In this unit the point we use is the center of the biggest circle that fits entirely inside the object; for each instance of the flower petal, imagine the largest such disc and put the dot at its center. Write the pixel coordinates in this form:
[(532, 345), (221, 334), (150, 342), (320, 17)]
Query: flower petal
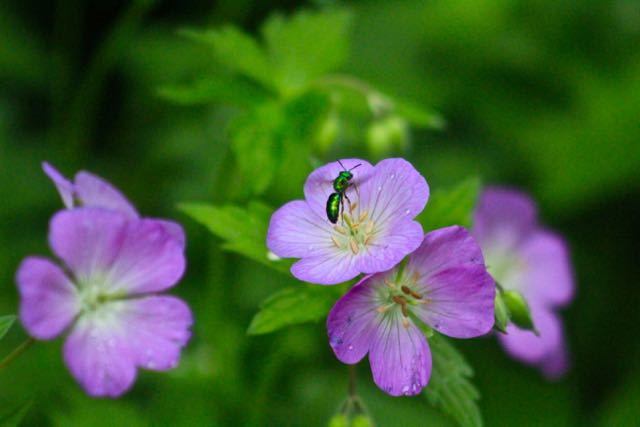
[(157, 329), (63, 185), (319, 184), (547, 274), (328, 268), (87, 240), (444, 248), (149, 258), (395, 191), (94, 191), (400, 357), (135, 256), (503, 218), (48, 299), (389, 247), (99, 358), (528, 347), (459, 301), (296, 231), (351, 323)]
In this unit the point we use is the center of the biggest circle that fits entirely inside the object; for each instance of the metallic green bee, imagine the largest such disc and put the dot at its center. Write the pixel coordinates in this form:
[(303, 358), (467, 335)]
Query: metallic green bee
[(335, 202)]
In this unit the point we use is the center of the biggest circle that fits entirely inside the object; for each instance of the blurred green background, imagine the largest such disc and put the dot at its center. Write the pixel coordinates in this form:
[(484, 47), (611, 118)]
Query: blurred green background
[(543, 95)]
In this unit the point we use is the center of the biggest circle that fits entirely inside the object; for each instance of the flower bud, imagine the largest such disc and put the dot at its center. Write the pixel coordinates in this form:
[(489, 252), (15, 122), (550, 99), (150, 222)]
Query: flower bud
[(501, 314), (387, 135), (519, 309)]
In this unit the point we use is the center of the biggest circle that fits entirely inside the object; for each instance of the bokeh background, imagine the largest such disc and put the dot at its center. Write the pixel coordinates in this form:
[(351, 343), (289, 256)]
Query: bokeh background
[(543, 95)]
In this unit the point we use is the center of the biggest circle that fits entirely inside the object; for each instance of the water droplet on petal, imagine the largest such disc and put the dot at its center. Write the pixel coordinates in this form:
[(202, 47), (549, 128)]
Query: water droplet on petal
[(380, 188), (407, 212), (151, 364), (393, 175), (350, 347), (310, 247), (405, 390)]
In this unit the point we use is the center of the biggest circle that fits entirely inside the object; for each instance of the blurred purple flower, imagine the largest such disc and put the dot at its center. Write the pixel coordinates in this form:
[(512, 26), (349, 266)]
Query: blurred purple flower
[(523, 256), (444, 284), (376, 231), (106, 292), (89, 190)]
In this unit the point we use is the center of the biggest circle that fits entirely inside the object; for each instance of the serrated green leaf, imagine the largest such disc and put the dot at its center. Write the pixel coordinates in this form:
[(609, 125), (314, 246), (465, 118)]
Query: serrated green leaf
[(244, 230), (306, 45), (450, 388), (291, 306), (14, 418), (236, 50), (232, 91), (452, 206), (5, 324)]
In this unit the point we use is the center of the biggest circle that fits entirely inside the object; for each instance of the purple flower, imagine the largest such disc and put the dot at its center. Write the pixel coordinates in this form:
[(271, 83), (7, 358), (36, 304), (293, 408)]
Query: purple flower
[(375, 231), (105, 293), (444, 284), (89, 190), (523, 256)]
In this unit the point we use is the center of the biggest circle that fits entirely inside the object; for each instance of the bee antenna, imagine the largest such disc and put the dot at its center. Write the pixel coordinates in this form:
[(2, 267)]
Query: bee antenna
[(359, 164), (343, 168)]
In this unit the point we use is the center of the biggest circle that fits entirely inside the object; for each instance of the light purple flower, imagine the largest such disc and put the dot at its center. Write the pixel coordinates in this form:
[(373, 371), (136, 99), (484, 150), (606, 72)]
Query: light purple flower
[(376, 231), (444, 284), (89, 190), (523, 256), (105, 293)]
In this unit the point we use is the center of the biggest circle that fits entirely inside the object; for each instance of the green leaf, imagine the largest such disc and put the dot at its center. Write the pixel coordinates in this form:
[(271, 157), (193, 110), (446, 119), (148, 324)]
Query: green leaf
[(452, 206), (306, 46), (5, 324), (244, 230), (237, 51), (291, 306), (449, 387), (231, 91), (418, 116), (271, 142), (14, 418)]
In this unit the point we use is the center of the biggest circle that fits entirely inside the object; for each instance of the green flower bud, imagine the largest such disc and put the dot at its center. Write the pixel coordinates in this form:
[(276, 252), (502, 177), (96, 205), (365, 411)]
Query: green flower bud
[(327, 133), (501, 313), (519, 309), (387, 135)]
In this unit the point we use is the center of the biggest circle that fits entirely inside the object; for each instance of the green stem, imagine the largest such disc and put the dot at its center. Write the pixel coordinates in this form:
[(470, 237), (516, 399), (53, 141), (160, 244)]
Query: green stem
[(352, 381), (16, 353)]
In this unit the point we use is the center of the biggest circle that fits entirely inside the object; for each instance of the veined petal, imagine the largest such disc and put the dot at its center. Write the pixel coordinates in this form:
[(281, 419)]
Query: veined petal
[(388, 247), (149, 259), (503, 218), (395, 191), (547, 272), (48, 299), (88, 240), (400, 357), (157, 327), (99, 357), (528, 347), (319, 184), (329, 268), (458, 301), (444, 248), (94, 191), (296, 231), (351, 323), (63, 185)]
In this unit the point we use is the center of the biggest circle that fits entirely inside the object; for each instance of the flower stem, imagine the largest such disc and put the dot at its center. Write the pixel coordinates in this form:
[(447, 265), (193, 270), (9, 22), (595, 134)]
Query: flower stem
[(352, 381), (16, 353)]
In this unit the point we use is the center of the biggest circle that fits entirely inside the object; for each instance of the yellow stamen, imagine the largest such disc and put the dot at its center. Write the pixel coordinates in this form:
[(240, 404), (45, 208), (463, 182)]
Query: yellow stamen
[(340, 229), (336, 242), (352, 207), (369, 227), (364, 215), (405, 322), (354, 246)]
